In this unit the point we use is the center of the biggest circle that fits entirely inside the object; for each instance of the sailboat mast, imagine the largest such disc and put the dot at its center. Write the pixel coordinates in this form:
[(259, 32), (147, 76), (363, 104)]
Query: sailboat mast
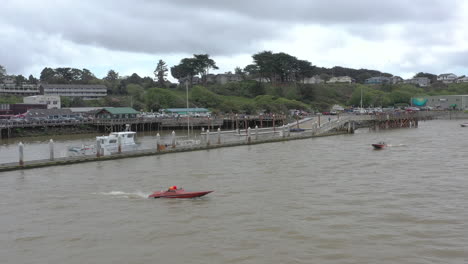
[(188, 116), (361, 97)]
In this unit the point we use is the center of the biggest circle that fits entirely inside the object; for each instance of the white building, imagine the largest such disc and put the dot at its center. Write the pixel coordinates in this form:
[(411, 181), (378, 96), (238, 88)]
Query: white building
[(85, 91), (9, 87), (341, 79), (447, 77), (52, 101)]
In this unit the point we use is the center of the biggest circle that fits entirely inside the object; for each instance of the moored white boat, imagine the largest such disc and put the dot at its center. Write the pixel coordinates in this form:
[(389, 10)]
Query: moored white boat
[(464, 125), (110, 144)]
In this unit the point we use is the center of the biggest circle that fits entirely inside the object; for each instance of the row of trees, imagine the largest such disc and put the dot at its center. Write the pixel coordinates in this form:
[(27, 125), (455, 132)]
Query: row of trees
[(67, 76), (279, 67)]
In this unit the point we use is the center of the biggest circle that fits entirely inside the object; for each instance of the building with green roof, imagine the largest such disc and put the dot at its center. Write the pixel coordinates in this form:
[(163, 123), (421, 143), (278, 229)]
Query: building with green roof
[(186, 111), (117, 113)]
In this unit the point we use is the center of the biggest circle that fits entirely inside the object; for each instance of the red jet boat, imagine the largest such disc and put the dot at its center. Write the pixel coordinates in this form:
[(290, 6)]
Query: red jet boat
[(379, 145), (179, 193)]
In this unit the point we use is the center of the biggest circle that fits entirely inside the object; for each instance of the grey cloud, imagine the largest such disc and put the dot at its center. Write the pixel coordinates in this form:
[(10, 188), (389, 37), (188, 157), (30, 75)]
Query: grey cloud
[(332, 11), (39, 31), (216, 27)]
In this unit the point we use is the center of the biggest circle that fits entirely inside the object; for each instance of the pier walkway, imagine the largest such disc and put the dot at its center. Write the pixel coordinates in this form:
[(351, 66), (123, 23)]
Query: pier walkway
[(301, 129)]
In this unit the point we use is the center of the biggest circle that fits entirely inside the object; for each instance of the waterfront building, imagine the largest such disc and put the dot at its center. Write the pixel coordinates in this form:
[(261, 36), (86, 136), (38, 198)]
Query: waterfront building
[(116, 113), (443, 102), (187, 111), (52, 101), (85, 91), (16, 109), (50, 114)]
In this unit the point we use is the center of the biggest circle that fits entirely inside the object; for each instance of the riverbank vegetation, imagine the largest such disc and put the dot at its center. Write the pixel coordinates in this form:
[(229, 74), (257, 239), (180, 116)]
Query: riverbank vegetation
[(241, 97)]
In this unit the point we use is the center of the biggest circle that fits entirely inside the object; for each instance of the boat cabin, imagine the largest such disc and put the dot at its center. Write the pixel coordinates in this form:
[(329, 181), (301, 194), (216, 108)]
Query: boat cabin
[(126, 138)]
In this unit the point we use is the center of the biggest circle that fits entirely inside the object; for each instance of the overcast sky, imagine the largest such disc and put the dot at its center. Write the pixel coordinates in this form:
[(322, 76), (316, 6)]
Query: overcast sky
[(397, 36)]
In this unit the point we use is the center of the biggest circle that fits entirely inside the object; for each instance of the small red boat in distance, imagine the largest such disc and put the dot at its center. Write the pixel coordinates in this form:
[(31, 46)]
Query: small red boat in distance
[(379, 145), (178, 193)]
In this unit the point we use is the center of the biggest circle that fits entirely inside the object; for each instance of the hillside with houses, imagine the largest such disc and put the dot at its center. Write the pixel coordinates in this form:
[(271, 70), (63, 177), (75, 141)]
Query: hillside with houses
[(274, 82)]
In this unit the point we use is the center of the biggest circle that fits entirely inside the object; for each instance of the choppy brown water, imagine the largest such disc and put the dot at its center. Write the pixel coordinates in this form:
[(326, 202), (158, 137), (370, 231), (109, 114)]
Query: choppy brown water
[(322, 200)]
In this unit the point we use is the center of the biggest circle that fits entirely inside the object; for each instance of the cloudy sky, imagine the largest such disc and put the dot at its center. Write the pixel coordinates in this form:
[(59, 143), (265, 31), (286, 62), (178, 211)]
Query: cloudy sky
[(397, 36)]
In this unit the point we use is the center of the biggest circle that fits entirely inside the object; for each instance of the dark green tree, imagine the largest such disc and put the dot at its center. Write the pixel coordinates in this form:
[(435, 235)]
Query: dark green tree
[(160, 73), (112, 76), (203, 64), (48, 75), (87, 76), (32, 80), (186, 69)]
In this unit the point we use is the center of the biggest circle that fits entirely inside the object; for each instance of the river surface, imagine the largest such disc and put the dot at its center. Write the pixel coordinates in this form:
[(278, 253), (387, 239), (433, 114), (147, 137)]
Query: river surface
[(321, 200)]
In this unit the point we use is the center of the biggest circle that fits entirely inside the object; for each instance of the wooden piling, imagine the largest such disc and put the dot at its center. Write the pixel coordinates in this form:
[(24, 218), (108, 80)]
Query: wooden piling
[(21, 154), (51, 149)]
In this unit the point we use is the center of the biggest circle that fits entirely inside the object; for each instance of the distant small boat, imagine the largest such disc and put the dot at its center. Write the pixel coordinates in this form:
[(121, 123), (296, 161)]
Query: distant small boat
[(179, 193), (379, 145), (464, 125), (296, 130)]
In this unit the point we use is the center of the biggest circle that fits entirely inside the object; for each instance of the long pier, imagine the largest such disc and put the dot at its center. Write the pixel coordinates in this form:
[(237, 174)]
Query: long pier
[(308, 128)]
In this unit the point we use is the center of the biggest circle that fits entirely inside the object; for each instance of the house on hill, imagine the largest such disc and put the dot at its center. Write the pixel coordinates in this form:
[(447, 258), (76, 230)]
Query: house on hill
[(419, 81), (378, 80), (341, 79), (447, 77)]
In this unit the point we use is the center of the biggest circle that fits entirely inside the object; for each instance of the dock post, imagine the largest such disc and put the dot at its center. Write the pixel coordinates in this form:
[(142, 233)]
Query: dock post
[(219, 135), (283, 131), (207, 137), (21, 156), (289, 130), (173, 139), (98, 148), (256, 132), (51, 149), (248, 135), (119, 141), (274, 123), (158, 142)]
